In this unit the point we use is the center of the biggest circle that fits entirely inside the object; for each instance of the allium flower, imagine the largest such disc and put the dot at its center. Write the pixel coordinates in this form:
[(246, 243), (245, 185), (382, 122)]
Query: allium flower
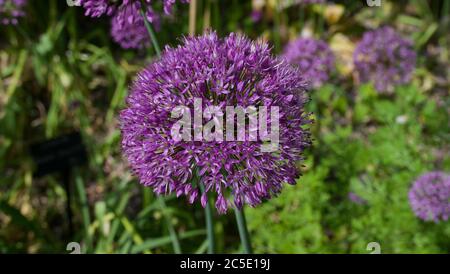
[(314, 59), (429, 196), (233, 71), (97, 8), (127, 25), (384, 58), (11, 10)]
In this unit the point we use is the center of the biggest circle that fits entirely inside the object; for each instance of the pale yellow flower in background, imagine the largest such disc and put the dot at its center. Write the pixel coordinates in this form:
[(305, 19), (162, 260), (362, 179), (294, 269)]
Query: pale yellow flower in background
[(333, 13), (343, 48)]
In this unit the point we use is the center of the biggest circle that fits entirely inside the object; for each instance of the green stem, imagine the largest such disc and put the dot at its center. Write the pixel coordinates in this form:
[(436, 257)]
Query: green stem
[(243, 232), (84, 208), (301, 18), (209, 224), (151, 32)]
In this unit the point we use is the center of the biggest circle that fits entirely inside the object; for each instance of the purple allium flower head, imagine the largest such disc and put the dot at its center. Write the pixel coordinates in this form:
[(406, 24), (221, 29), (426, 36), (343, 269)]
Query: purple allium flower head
[(11, 10), (314, 59), (127, 25), (429, 196), (97, 8), (384, 58), (233, 71)]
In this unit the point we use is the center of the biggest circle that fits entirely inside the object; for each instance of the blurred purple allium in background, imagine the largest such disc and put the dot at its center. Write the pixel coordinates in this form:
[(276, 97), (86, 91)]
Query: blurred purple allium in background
[(233, 71), (429, 196), (257, 16), (384, 58), (314, 59), (355, 198), (97, 8), (11, 10), (127, 25)]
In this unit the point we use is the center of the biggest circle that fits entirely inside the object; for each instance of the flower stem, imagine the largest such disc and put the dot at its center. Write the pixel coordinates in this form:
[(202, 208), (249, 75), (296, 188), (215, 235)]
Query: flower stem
[(209, 224), (150, 32), (192, 16), (243, 232)]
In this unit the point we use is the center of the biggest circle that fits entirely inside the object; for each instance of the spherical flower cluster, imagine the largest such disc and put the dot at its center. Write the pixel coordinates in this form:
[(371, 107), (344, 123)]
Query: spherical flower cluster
[(314, 59), (233, 71), (429, 196), (384, 58), (127, 25), (11, 10)]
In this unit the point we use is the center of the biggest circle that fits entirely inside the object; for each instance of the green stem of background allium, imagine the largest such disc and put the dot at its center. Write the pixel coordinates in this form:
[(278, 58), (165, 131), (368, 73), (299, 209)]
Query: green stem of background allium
[(243, 232), (192, 17), (209, 224), (151, 32), (166, 214)]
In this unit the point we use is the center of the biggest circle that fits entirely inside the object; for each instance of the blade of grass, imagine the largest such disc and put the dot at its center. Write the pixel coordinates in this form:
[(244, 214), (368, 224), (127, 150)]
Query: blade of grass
[(154, 243), (23, 54), (84, 208), (168, 218)]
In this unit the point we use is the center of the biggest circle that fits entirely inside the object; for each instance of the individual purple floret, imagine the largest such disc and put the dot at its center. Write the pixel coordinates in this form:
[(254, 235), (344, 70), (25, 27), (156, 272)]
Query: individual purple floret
[(314, 59), (233, 71), (11, 10), (429, 196), (127, 25), (385, 59)]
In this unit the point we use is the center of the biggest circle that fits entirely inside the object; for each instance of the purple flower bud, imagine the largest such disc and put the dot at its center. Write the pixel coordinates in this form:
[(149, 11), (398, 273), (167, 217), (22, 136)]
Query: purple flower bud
[(204, 199), (221, 205)]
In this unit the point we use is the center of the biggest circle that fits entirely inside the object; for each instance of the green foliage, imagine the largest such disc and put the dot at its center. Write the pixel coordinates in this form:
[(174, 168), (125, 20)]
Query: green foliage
[(376, 157)]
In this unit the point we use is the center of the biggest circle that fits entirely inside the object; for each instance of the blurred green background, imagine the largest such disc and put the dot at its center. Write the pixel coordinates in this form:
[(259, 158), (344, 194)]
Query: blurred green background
[(60, 71)]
